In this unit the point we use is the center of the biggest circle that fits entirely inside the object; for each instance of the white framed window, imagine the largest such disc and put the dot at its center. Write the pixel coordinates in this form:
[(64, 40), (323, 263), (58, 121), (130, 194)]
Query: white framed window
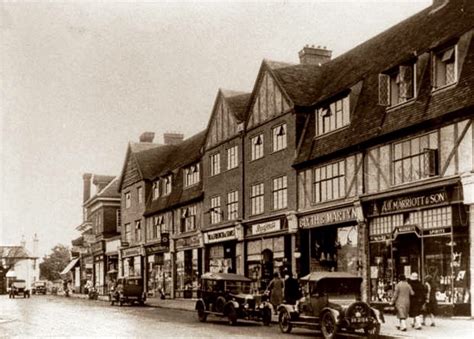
[(329, 182), (257, 199), (158, 221), (128, 233), (445, 67), (216, 212), (257, 147), (188, 218), (233, 205), (215, 163), (397, 85), (138, 231), (333, 116), (167, 184), (280, 191), (232, 157), (140, 194), (156, 189), (128, 200), (279, 138), (191, 175)]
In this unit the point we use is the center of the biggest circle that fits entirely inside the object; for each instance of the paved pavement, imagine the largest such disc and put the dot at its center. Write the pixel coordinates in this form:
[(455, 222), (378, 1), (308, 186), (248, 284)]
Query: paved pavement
[(445, 327)]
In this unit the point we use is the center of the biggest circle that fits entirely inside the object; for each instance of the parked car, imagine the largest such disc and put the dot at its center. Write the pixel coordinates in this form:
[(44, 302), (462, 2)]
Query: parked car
[(331, 303), (128, 290), (18, 287), (39, 287), (228, 295)]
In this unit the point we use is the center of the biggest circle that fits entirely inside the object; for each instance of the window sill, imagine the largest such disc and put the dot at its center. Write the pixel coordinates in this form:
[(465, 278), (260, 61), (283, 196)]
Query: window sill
[(408, 183), (279, 209), (256, 159), (280, 150), (444, 88), (402, 104), (191, 186), (332, 132)]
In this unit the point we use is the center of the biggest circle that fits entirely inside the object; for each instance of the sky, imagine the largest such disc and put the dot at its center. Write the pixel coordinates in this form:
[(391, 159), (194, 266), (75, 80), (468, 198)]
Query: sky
[(79, 80)]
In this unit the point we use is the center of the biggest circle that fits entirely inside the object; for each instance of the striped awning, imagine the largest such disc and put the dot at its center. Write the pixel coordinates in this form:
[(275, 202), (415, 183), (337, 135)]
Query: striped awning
[(69, 266)]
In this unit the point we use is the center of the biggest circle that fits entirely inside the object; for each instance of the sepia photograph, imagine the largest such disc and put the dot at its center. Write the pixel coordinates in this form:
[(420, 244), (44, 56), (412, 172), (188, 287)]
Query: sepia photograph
[(241, 169)]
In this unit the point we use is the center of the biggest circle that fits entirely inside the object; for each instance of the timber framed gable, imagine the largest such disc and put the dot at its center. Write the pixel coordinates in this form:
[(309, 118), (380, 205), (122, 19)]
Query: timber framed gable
[(131, 172)]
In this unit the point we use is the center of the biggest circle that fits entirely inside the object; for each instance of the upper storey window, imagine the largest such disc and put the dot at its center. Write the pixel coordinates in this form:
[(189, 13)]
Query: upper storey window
[(128, 200), (232, 157), (279, 138), (156, 189), (332, 116), (444, 67), (397, 85), (215, 163), (191, 175), (257, 147), (167, 184)]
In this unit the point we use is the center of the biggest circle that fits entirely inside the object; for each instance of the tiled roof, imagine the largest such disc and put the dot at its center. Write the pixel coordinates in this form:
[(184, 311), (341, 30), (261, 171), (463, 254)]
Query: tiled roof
[(142, 146), (100, 179), (10, 253), (111, 190), (238, 103), (413, 36), (151, 160)]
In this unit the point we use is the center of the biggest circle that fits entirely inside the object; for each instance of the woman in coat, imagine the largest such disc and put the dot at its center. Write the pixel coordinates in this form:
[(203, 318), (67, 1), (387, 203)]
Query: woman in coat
[(401, 301), (431, 303), (275, 287), (417, 300)]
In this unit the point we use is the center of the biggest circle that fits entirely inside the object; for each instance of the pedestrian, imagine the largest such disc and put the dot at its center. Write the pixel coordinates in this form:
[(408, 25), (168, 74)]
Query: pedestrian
[(275, 288), (401, 301), (431, 303), (416, 300), (292, 289)]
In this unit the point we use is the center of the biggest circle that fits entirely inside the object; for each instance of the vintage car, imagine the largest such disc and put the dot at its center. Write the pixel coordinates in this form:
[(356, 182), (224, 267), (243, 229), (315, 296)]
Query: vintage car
[(228, 295), (128, 290), (331, 303), (18, 287), (39, 287)]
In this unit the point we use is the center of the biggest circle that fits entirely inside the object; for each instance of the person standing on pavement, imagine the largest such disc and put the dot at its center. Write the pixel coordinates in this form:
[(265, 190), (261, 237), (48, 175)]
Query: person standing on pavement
[(417, 300), (430, 302), (275, 288), (292, 289), (401, 301)]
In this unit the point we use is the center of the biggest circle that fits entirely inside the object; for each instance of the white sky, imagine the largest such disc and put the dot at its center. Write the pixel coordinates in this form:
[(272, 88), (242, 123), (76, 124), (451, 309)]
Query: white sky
[(80, 80)]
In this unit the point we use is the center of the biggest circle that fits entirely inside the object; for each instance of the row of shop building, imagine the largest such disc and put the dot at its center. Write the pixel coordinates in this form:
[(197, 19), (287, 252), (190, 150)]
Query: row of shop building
[(363, 163)]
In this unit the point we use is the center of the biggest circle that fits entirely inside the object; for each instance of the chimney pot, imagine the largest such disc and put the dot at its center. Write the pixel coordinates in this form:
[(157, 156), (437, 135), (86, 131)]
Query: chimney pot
[(314, 55), (147, 137), (172, 138)]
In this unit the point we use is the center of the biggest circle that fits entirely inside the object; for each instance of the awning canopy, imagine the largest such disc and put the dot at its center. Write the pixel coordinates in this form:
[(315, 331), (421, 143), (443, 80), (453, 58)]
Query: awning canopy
[(70, 266)]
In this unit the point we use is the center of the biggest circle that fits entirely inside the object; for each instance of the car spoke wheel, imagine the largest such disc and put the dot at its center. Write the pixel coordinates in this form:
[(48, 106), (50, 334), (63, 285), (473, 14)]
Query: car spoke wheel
[(231, 316), (328, 326), (284, 321), (266, 316), (202, 315)]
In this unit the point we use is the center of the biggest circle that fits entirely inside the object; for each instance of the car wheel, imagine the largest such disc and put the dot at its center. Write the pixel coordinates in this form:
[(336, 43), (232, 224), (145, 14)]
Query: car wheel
[(266, 316), (284, 320), (231, 315), (219, 305), (373, 331), (201, 312), (328, 325)]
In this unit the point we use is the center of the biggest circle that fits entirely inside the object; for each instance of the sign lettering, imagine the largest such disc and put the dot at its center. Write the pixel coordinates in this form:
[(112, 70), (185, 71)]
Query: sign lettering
[(266, 227), (220, 235), (408, 202), (187, 242), (131, 252), (328, 217)]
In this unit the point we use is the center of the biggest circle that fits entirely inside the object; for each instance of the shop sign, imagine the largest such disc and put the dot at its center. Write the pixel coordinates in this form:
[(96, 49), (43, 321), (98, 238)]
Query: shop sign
[(89, 238), (328, 217), (266, 227), (112, 246), (188, 242), (405, 229), (157, 248), (220, 235), (437, 231), (379, 237), (408, 202), (97, 247), (79, 249), (132, 252)]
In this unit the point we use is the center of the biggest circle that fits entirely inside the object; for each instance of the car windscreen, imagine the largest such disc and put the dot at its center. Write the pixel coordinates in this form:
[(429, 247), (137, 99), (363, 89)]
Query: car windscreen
[(342, 286), (236, 287)]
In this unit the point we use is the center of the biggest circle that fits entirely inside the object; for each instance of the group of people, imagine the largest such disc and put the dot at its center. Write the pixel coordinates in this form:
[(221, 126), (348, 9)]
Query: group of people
[(413, 299), (280, 290)]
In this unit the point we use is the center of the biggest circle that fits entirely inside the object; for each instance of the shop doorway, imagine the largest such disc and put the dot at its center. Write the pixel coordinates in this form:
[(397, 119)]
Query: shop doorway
[(267, 268), (406, 253)]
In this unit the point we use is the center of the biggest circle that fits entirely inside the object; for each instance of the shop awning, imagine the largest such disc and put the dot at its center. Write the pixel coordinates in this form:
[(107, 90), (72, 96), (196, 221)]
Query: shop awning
[(69, 266)]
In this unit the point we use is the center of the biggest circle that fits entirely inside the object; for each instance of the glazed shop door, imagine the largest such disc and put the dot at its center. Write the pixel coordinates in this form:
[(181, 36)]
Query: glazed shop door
[(406, 251)]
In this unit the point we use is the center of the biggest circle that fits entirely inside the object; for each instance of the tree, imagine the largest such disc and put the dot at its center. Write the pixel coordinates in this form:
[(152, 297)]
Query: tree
[(55, 262)]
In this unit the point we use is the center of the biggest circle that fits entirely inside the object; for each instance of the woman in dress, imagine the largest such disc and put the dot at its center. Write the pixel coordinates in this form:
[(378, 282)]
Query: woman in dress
[(431, 303), (401, 301), (275, 288)]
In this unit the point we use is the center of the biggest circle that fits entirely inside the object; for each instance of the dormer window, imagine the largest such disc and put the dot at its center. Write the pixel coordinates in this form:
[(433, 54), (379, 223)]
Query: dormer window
[(444, 67), (156, 189), (191, 175), (333, 116), (167, 184), (397, 85)]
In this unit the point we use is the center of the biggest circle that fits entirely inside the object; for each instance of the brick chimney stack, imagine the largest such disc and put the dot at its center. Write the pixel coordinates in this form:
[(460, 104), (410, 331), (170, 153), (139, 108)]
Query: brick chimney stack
[(172, 138), (311, 55), (86, 177), (147, 137)]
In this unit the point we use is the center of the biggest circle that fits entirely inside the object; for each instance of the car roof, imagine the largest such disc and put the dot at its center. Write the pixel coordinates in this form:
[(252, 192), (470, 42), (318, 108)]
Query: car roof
[(224, 276), (317, 276)]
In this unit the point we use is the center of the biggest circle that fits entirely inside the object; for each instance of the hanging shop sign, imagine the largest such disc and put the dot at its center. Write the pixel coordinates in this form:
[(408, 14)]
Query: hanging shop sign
[(97, 247), (220, 235), (405, 229), (266, 227), (157, 248), (408, 202), (328, 217), (132, 252), (437, 231), (192, 241)]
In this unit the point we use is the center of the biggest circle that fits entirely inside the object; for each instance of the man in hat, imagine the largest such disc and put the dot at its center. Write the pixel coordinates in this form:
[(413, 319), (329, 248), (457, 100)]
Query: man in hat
[(416, 300)]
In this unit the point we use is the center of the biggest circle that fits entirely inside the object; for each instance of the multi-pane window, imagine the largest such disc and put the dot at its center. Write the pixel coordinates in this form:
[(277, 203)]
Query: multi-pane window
[(279, 138), (232, 157), (138, 232), (215, 163), (329, 182), (128, 233), (157, 224), (128, 200), (191, 175), (415, 158), (140, 194), (119, 220), (167, 184), (233, 205), (156, 189), (257, 147), (280, 191), (256, 199), (444, 67), (332, 116), (398, 85), (188, 218), (216, 212)]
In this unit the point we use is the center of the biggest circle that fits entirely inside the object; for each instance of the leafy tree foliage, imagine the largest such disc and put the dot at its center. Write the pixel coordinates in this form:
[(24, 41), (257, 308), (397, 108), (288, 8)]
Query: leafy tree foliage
[(54, 262)]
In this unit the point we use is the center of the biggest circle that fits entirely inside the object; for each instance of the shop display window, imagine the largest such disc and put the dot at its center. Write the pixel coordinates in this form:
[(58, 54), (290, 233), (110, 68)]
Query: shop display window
[(437, 264), (381, 272)]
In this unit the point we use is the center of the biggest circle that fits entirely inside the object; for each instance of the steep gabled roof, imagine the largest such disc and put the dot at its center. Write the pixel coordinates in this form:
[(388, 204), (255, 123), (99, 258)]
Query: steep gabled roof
[(237, 102), (111, 190), (412, 37)]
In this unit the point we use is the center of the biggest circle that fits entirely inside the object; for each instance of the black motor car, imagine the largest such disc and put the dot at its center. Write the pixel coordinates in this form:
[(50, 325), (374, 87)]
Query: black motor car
[(18, 287), (228, 295), (128, 290), (39, 287), (331, 303)]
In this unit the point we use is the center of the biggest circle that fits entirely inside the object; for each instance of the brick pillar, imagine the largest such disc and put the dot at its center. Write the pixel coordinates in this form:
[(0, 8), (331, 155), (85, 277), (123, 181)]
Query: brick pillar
[(467, 180), (292, 220), (240, 249), (362, 250)]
